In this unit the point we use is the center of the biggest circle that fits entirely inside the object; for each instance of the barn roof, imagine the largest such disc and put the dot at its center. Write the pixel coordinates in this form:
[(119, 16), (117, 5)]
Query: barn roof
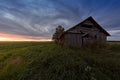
[(93, 21)]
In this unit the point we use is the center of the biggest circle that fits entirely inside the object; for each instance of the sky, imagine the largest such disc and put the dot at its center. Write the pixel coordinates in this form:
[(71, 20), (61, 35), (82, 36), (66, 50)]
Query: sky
[(36, 20)]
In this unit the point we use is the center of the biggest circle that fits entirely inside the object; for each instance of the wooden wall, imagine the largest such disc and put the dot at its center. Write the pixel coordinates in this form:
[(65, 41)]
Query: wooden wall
[(73, 40)]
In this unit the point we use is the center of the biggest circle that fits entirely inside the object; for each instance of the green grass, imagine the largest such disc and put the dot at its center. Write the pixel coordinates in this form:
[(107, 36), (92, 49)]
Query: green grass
[(47, 61)]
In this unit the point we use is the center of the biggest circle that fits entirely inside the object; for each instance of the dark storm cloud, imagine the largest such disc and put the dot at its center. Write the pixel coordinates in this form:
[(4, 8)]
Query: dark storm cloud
[(38, 18)]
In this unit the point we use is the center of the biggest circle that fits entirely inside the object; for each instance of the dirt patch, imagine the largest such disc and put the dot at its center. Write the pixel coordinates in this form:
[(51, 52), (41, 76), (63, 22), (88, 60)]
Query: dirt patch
[(16, 61)]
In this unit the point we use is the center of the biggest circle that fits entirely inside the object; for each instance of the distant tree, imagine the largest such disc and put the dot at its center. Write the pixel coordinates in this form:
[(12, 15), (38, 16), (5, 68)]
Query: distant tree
[(58, 32)]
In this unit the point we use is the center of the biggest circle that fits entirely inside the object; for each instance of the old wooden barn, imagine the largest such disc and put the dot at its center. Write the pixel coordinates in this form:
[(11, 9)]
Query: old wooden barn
[(84, 33)]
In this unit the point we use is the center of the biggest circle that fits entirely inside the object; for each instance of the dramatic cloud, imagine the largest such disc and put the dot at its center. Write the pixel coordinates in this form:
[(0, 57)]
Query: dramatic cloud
[(37, 19)]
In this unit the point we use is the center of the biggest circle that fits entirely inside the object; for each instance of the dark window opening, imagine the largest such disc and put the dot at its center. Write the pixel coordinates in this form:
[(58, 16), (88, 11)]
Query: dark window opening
[(87, 25), (95, 37), (87, 36)]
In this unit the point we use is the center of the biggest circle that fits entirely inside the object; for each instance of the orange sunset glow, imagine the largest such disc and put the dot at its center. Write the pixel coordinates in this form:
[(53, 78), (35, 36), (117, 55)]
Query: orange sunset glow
[(12, 37)]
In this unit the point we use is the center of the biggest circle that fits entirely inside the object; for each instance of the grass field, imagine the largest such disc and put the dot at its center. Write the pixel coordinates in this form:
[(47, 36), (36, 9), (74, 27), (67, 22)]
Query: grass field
[(47, 61)]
